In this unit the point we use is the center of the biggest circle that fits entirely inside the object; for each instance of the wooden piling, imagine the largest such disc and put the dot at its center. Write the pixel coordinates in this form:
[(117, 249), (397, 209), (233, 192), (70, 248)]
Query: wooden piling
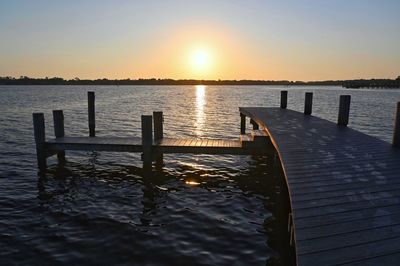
[(158, 120), (58, 120), (147, 140), (308, 103), (242, 124), (40, 138), (284, 95), (91, 113), (396, 133), (344, 110), (147, 129), (158, 125)]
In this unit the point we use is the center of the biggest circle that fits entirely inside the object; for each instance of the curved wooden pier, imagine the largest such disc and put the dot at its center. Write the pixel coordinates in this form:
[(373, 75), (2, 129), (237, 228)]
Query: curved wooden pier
[(344, 189)]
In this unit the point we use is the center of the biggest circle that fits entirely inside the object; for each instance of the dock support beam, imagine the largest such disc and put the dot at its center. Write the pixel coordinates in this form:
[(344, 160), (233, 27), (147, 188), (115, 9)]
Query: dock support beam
[(158, 125), (158, 135), (255, 125), (91, 112), (284, 95), (396, 133), (58, 120), (242, 124), (344, 110), (40, 138), (147, 140), (308, 103)]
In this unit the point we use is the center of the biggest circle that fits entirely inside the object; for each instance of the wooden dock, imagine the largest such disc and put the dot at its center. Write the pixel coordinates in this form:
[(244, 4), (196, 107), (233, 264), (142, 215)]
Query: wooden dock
[(344, 188), (152, 144)]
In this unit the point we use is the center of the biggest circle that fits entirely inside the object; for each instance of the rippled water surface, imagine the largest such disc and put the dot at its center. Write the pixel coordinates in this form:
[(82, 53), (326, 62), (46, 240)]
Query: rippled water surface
[(99, 208)]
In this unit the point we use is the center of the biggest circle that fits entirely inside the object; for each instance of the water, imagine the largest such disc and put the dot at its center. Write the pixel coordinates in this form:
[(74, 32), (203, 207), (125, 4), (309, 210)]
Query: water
[(199, 210)]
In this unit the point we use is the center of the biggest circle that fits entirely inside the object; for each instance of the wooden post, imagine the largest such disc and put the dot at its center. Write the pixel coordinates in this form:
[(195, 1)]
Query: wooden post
[(344, 110), (242, 124), (91, 112), (40, 139), (308, 103), (147, 141), (158, 135), (254, 123), (147, 130), (158, 125), (284, 99), (396, 133), (58, 119)]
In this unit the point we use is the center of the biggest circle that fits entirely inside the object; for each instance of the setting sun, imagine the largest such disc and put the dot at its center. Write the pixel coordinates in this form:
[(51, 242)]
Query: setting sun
[(200, 58), (201, 61)]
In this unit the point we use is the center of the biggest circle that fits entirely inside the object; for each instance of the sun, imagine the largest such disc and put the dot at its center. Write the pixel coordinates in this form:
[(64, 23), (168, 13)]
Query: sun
[(200, 60)]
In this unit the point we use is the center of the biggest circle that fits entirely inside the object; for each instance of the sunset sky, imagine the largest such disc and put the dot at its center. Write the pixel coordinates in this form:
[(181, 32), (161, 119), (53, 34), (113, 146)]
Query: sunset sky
[(294, 40)]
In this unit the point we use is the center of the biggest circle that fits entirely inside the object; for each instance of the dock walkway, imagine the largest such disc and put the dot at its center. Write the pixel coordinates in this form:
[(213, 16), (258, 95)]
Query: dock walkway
[(344, 189), (164, 145)]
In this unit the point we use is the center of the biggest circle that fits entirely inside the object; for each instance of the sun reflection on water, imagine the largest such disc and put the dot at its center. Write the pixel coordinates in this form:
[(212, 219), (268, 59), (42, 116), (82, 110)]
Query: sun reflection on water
[(192, 183), (200, 115)]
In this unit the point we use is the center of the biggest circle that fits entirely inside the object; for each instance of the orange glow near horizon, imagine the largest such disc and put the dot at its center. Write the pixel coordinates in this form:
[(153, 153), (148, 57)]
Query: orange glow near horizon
[(194, 52)]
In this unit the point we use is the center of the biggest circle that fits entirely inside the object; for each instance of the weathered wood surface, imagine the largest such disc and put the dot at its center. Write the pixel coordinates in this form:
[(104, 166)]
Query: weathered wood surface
[(165, 145), (344, 189), (128, 144)]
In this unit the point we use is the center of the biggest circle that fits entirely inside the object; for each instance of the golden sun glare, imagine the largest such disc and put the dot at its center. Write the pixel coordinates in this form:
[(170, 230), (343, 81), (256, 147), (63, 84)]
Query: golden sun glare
[(201, 61)]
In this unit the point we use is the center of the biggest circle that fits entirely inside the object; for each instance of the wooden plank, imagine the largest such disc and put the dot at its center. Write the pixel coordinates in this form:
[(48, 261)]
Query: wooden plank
[(198, 142), (350, 254), (180, 142), (203, 142), (346, 207), (347, 227), (345, 192), (187, 142), (348, 239), (392, 258), (192, 143), (338, 201), (335, 218)]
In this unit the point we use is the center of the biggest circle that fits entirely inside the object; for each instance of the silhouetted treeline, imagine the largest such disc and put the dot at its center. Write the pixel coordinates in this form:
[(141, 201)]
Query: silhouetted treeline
[(23, 80), (372, 83)]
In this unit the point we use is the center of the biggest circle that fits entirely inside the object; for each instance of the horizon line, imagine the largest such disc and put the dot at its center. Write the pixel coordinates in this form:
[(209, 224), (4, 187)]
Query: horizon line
[(77, 79)]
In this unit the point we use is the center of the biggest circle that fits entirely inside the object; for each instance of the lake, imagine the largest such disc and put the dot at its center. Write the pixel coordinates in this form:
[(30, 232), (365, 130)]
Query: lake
[(199, 210)]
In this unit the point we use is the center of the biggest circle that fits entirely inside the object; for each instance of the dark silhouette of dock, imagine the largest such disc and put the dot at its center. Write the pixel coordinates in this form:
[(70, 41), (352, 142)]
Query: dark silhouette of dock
[(343, 185), (152, 144)]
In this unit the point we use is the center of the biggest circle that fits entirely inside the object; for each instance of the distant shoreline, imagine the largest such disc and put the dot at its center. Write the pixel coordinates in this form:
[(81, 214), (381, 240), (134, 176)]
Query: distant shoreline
[(359, 83)]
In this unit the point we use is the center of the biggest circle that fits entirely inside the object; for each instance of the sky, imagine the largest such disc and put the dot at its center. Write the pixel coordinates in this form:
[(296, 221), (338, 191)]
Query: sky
[(218, 39)]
